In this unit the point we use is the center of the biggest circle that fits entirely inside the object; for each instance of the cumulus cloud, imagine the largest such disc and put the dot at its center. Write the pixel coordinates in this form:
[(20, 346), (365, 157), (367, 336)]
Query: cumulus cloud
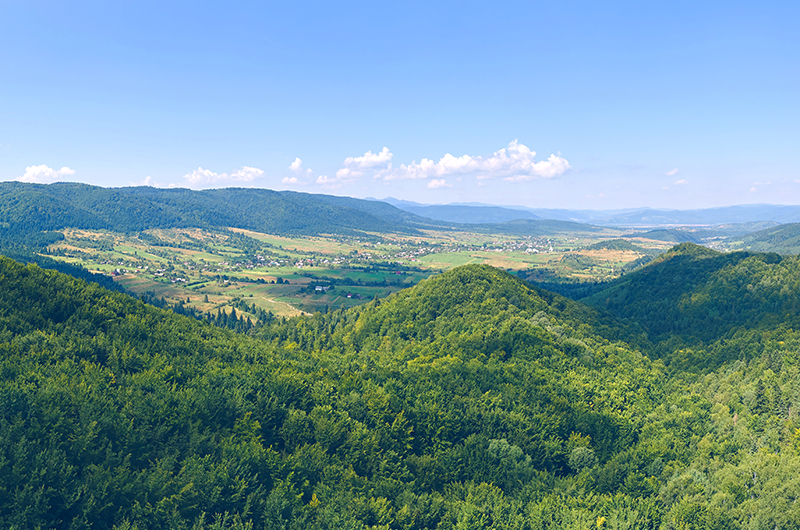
[(514, 163), (297, 167), (43, 174), (201, 177), (348, 174), (681, 182), (328, 182), (369, 160), (302, 175), (672, 172), (439, 183)]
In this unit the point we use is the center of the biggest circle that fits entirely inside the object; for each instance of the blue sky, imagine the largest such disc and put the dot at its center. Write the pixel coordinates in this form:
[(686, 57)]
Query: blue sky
[(543, 104)]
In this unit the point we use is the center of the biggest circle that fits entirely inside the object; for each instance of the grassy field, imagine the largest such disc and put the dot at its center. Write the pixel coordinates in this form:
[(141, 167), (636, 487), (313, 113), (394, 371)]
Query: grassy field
[(209, 270)]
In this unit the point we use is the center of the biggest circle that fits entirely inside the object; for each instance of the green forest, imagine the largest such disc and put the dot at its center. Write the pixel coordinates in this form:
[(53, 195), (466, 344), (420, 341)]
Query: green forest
[(665, 399)]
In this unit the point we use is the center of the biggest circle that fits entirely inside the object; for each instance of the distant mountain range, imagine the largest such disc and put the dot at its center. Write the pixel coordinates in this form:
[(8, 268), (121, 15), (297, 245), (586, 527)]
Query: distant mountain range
[(464, 213), (31, 213), (630, 217)]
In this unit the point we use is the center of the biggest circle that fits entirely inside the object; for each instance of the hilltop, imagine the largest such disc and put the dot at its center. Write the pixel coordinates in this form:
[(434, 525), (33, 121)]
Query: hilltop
[(143, 416)]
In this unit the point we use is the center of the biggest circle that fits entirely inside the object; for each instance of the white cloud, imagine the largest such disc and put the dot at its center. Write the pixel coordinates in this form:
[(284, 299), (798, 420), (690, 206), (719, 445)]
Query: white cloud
[(355, 166), (514, 163), (681, 182), (302, 175), (297, 167), (43, 174), (200, 176), (672, 172), (147, 181), (348, 174), (328, 182), (439, 183), (369, 160)]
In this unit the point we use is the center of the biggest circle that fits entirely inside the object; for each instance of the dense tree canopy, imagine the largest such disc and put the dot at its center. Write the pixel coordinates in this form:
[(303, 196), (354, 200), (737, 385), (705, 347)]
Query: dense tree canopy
[(31, 208), (469, 401)]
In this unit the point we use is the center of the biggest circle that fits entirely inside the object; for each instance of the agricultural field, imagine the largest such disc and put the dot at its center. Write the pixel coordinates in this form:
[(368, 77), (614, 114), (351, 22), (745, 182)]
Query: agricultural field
[(215, 271)]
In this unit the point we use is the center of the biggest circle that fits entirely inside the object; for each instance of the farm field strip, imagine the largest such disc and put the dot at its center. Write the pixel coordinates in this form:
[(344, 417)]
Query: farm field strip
[(210, 270)]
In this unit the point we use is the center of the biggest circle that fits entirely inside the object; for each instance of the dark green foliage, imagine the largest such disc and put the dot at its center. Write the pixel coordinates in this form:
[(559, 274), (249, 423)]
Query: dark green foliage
[(670, 235), (693, 293), (31, 208), (616, 244), (469, 401), (783, 239), (23, 254)]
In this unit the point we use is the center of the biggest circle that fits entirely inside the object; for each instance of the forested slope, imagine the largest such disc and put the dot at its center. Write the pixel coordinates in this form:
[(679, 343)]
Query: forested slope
[(31, 208), (468, 401), (783, 239), (698, 294)]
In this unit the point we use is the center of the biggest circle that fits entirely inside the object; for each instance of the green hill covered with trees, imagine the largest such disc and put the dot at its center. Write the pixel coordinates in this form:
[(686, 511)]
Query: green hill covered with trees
[(471, 400), (32, 208), (782, 239), (697, 294)]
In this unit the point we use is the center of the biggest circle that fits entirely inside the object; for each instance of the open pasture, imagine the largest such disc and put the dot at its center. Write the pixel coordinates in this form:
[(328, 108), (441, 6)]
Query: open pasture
[(188, 265)]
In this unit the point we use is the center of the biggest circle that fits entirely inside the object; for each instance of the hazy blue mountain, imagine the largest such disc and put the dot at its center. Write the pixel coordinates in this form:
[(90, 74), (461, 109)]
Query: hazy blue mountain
[(453, 213), (709, 216), (639, 217), (536, 227)]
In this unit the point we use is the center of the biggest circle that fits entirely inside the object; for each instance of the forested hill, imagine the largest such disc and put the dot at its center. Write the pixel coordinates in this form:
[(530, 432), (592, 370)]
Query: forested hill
[(469, 384), (783, 239), (30, 208), (692, 292), (468, 401)]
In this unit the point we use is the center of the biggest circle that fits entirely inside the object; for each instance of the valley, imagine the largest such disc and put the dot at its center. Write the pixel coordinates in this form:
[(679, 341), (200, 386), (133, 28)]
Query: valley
[(209, 271), (422, 376)]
